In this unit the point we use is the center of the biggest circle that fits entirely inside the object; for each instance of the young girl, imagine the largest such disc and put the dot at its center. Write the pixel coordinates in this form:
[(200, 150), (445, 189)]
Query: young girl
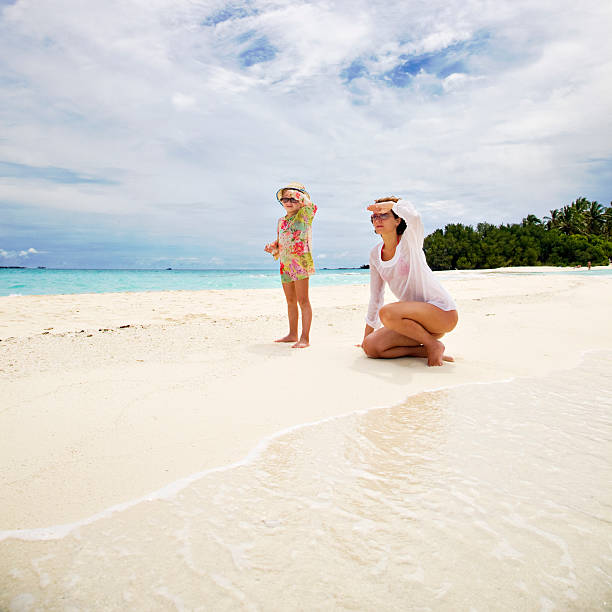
[(425, 311), (293, 248)]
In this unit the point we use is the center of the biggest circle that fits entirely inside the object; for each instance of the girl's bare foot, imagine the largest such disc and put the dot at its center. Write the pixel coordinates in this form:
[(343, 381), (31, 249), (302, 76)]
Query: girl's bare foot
[(301, 344), (287, 338)]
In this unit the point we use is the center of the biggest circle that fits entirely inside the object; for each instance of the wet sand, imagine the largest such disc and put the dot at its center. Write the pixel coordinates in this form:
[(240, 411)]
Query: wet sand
[(479, 497)]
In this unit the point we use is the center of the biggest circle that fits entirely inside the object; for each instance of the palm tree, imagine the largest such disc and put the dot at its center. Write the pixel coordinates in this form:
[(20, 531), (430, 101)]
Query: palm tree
[(607, 222), (594, 218), (531, 220), (553, 220), (581, 205), (571, 220)]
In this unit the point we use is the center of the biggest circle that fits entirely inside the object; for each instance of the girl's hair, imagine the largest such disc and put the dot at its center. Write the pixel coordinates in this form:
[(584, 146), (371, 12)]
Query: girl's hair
[(401, 228)]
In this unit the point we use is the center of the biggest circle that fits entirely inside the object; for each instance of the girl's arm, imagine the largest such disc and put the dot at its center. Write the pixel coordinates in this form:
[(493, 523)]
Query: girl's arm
[(307, 210), (272, 247)]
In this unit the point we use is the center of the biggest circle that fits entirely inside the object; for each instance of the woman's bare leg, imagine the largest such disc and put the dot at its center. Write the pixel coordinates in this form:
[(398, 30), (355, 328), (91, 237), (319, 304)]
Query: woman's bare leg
[(411, 329), (301, 289), (388, 344), (292, 313)]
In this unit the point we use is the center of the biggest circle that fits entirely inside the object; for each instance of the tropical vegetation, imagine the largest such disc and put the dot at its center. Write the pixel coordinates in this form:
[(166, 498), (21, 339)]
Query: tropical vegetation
[(571, 236)]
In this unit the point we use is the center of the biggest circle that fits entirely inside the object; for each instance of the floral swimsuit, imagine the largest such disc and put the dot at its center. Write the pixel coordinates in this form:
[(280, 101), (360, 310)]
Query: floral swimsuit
[(295, 243)]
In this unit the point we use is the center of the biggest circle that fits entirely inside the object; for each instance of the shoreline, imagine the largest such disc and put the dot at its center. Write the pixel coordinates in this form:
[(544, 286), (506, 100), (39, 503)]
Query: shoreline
[(195, 382), (272, 280), (57, 532)]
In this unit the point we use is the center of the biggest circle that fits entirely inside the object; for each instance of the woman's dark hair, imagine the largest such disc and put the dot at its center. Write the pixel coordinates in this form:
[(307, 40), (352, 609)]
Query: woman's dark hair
[(401, 228)]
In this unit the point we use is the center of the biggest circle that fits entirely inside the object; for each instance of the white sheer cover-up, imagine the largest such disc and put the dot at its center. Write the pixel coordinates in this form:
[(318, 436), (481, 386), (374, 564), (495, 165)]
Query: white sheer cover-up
[(407, 273)]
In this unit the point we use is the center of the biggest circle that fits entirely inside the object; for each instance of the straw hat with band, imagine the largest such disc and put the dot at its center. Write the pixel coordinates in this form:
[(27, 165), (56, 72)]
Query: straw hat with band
[(294, 187)]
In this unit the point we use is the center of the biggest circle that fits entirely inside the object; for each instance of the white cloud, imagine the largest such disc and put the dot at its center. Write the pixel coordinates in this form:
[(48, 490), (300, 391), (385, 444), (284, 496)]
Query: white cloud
[(22, 253), (448, 207), (150, 98), (183, 102)]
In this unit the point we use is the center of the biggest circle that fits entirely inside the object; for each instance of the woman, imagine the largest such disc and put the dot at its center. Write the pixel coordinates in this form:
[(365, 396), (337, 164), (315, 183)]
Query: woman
[(425, 311)]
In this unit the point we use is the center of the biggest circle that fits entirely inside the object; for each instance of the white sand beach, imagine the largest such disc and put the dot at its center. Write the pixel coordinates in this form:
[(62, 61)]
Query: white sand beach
[(107, 398), (195, 381)]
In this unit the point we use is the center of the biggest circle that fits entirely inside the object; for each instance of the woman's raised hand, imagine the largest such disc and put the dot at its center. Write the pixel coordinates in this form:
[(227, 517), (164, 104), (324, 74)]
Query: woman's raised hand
[(383, 205)]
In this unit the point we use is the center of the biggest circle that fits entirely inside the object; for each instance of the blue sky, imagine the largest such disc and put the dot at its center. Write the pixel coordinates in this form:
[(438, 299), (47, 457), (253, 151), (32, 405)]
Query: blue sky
[(156, 134)]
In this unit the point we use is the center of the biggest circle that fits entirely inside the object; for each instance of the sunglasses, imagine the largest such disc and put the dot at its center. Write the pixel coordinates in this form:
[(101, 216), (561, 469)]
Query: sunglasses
[(379, 217), (287, 200)]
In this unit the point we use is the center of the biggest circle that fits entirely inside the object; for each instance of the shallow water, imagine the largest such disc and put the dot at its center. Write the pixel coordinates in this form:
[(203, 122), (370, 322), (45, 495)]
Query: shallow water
[(482, 497)]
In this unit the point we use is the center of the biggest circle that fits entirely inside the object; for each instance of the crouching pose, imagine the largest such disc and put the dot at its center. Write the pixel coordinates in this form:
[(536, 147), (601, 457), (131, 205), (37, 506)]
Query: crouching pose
[(424, 312)]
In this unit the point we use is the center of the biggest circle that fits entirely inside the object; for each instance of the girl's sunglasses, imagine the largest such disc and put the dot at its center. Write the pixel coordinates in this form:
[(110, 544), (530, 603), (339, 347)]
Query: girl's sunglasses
[(380, 217), (287, 200), (291, 199)]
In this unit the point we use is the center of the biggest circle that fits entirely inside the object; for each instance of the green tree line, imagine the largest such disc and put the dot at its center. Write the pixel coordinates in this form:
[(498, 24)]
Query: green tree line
[(573, 235)]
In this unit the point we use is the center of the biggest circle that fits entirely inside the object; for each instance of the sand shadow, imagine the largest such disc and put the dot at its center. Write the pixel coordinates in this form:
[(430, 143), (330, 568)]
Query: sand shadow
[(398, 371), (393, 371), (272, 349)]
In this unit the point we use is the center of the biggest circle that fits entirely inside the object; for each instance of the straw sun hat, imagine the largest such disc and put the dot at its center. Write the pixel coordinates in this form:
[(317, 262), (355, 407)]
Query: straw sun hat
[(295, 187)]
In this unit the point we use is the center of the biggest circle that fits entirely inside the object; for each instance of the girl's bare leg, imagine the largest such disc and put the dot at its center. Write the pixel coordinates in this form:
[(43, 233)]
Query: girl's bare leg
[(411, 329), (292, 313), (301, 289)]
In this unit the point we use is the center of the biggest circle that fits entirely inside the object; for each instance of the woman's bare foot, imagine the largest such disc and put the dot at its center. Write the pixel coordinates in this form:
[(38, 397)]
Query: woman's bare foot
[(435, 354), (421, 351), (287, 338), (301, 344)]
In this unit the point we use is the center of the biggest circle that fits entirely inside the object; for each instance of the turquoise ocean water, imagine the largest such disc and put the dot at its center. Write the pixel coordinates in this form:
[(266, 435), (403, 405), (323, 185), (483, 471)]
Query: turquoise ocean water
[(49, 282)]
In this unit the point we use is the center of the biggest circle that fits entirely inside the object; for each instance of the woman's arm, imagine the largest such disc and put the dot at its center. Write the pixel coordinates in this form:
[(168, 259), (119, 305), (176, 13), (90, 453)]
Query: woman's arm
[(402, 208), (414, 226), (377, 296), (368, 330), (383, 205), (406, 210)]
